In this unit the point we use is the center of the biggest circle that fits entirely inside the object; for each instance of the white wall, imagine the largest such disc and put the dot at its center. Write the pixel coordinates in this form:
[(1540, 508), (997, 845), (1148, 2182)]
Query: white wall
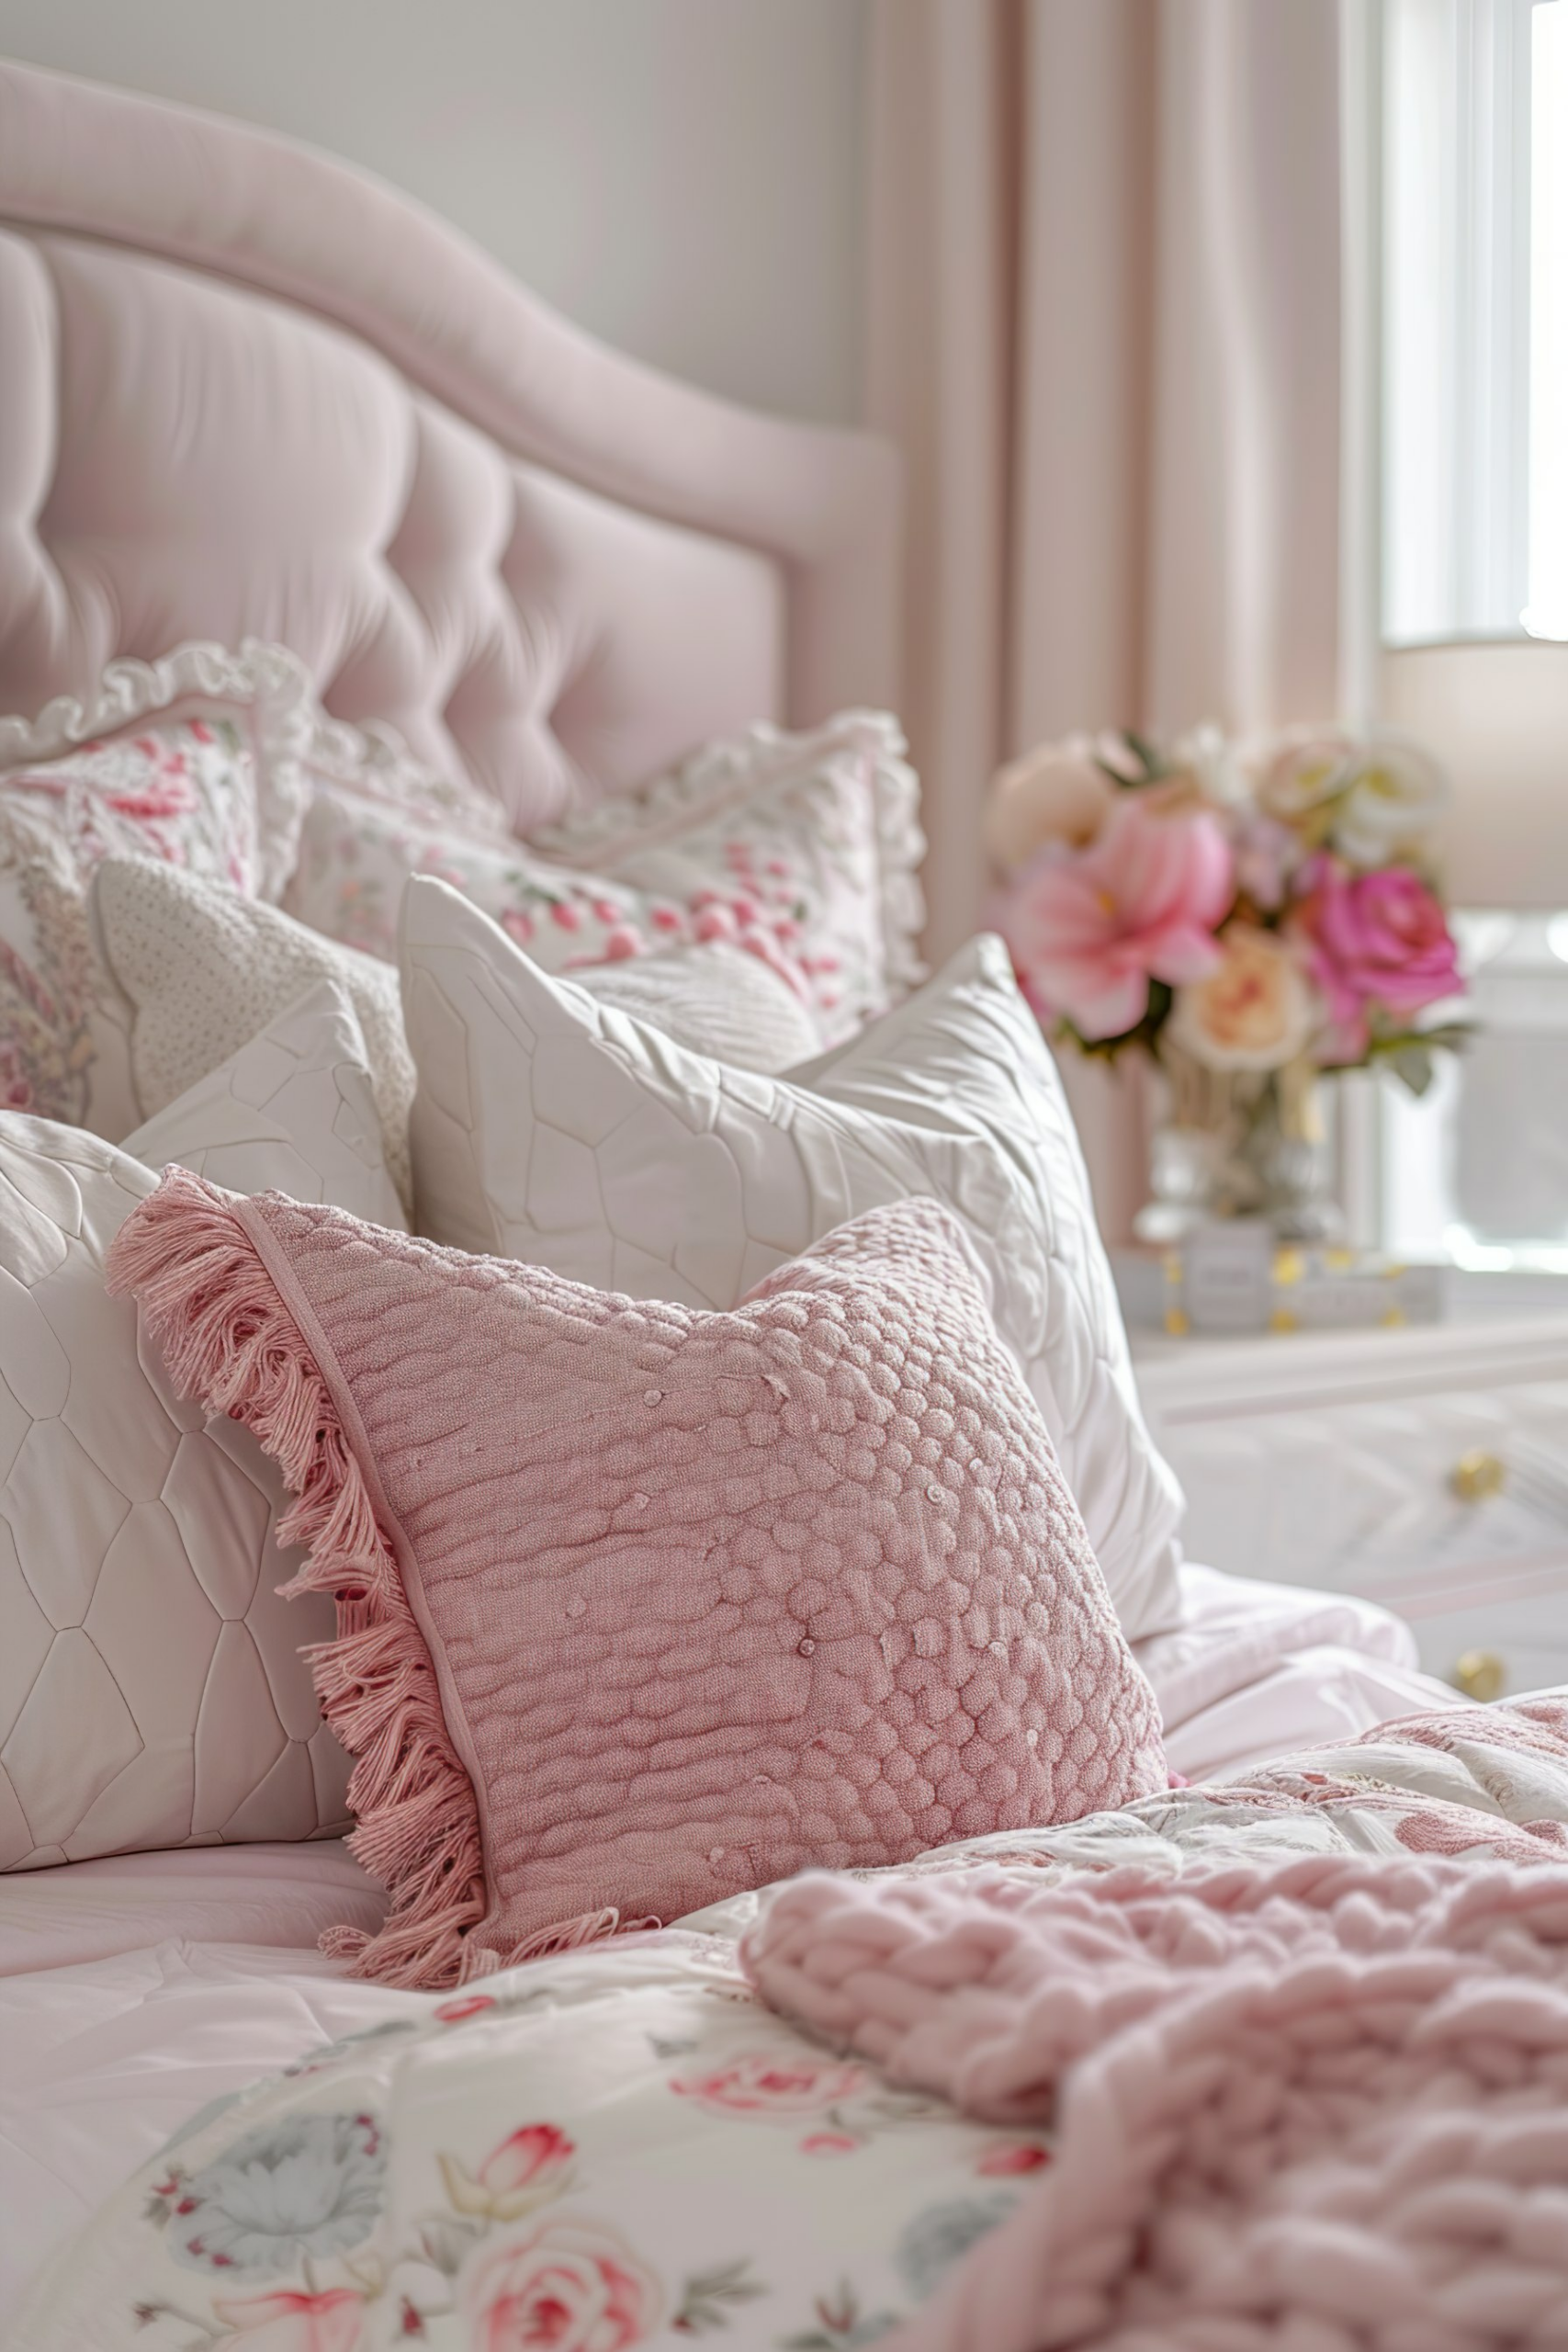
[(683, 176)]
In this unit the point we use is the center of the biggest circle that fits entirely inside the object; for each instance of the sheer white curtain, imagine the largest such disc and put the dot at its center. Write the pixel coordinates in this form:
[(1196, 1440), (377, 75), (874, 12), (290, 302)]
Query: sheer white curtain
[(1105, 329)]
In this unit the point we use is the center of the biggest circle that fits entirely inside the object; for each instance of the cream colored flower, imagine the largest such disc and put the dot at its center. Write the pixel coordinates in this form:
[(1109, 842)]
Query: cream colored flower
[(1301, 770), (1256, 1012), (1058, 792), (1213, 762), (1395, 796)]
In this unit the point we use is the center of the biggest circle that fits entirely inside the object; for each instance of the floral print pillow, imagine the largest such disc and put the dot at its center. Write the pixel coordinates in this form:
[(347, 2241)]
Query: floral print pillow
[(180, 792), (800, 850)]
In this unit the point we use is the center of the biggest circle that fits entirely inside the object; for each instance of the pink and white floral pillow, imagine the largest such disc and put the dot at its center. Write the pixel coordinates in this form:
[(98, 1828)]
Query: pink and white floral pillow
[(206, 761), (181, 791), (800, 849)]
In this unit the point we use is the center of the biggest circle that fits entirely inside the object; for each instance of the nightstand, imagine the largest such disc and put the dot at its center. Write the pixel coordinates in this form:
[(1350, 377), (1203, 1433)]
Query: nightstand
[(1424, 1468)]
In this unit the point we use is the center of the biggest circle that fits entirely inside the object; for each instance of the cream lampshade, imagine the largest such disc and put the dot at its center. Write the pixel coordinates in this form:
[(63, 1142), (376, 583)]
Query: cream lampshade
[(1495, 713)]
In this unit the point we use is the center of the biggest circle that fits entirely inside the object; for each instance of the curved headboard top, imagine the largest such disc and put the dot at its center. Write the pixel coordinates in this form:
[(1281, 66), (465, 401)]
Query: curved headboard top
[(246, 389)]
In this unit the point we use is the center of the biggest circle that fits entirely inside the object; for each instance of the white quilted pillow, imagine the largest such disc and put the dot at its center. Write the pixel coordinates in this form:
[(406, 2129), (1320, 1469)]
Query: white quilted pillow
[(293, 1112), (549, 1128), (201, 968), (152, 1690)]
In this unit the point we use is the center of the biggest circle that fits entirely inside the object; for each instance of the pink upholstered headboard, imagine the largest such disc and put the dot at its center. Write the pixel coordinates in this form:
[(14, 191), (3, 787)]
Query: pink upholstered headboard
[(244, 391)]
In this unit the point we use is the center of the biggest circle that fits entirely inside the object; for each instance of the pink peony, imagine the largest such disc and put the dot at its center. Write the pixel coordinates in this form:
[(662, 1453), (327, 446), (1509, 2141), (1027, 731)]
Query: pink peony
[(290, 2322), (1375, 939), (1088, 931), (574, 2286), (768, 2084)]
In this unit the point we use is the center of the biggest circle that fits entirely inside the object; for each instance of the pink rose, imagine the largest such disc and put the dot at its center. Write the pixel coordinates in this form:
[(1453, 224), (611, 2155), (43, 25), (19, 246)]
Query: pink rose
[(563, 912), (666, 918), (1014, 2157), (768, 2084), (570, 2285), (715, 922), (1090, 929), (622, 943), (1375, 939), (466, 2004), (607, 910), (534, 2164), (16, 1083), (293, 2322), (518, 924), (1254, 1011)]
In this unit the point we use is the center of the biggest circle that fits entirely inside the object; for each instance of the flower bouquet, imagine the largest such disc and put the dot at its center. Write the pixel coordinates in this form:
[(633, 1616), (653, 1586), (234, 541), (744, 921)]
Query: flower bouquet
[(1250, 916)]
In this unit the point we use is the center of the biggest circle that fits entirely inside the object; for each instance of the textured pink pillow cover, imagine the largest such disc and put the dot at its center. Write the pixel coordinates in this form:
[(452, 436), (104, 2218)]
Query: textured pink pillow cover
[(709, 1597)]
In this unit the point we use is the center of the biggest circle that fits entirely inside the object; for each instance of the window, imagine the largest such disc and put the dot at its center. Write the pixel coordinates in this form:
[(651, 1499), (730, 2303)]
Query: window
[(1474, 268), (1472, 244)]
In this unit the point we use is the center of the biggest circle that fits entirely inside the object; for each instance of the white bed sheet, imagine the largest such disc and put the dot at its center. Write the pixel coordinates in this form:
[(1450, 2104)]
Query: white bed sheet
[(136, 1989)]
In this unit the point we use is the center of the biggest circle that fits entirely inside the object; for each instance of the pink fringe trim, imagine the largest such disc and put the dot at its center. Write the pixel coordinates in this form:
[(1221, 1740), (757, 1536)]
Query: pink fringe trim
[(230, 1341)]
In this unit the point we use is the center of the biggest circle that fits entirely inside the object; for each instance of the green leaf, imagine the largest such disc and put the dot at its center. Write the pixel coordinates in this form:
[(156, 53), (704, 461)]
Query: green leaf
[(1412, 1064), (705, 2296)]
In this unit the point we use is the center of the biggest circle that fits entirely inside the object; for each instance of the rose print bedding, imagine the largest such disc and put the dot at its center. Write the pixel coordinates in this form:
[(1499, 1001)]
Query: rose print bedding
[(627, 2146)]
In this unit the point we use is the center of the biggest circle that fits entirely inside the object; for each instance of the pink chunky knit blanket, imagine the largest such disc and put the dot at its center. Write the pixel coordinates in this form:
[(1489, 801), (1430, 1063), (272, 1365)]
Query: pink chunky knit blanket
[(1311, 2106)]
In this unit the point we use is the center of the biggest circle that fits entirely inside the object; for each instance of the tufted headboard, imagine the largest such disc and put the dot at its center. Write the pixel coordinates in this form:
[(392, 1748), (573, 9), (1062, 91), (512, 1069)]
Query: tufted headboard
[(245, 390)]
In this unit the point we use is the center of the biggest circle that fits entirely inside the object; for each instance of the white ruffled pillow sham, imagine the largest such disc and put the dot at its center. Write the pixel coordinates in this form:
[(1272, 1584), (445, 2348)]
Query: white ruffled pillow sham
[(799, 850), (207, 761)]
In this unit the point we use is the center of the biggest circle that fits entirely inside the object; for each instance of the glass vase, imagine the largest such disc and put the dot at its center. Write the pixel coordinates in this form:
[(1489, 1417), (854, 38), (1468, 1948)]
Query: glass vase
[(1241, 1144)]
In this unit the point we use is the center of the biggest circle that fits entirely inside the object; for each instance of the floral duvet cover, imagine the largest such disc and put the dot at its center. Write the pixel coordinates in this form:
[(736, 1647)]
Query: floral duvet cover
[(624, 2146)]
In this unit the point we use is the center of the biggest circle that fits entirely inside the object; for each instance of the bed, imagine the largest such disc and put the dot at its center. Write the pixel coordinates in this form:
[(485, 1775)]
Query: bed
[(250, 395)]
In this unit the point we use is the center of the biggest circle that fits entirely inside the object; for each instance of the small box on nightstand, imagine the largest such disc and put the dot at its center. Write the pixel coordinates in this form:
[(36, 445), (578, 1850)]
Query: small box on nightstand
[(1235, 1276)]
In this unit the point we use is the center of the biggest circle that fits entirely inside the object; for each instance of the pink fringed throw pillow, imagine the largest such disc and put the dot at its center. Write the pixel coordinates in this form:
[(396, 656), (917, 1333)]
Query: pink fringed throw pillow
[(638, 1606)]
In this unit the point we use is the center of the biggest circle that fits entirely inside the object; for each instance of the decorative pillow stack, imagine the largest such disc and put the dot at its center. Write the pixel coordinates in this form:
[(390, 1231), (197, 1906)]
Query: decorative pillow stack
[(192, 761), (549, 1128), (152, 1693), (799, 850), (206, 762), (192, 969), (638, 1605)]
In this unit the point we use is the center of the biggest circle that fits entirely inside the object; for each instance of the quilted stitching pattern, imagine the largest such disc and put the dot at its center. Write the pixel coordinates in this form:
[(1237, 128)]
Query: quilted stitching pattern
[(713, 999), (600, 1151), (717, 1596), (204, 968), (151, 1690), (508, 624), (292, 1111)]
